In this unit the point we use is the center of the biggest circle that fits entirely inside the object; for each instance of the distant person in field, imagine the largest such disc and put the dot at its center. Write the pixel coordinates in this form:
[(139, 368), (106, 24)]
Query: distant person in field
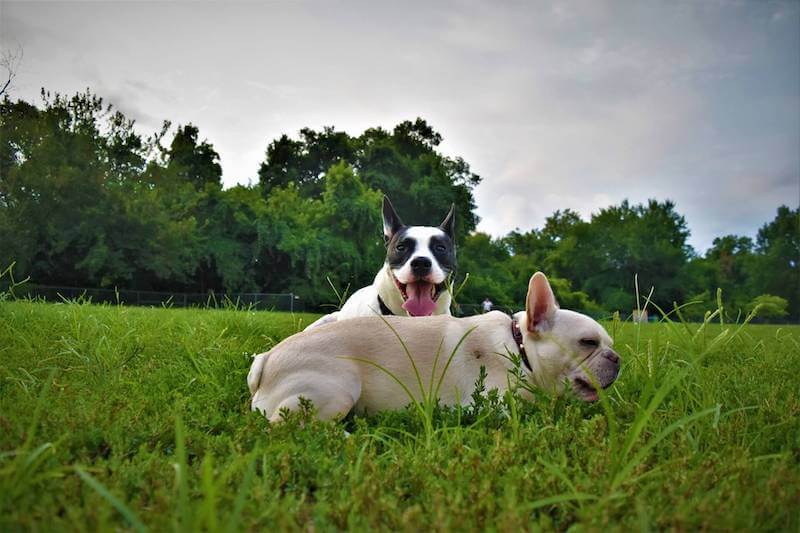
[(487, 305)]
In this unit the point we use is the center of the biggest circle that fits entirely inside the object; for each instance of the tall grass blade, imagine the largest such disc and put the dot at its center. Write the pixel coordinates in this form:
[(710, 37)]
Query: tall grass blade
[(115, 502), (622, 474), (209, 493), (241, 497), (559, 498), (181, 520)]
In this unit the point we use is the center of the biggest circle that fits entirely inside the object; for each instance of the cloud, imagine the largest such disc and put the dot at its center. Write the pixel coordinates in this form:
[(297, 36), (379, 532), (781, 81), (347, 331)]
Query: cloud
[(639, 116)]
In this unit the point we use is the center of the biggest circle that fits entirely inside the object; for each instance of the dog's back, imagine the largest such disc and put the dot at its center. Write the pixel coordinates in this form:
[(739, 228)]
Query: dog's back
[(357, 362)]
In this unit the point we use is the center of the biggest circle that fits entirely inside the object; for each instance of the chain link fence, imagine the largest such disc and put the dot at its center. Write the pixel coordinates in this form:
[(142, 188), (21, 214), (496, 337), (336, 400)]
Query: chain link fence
[(248, 300), (240, 300)]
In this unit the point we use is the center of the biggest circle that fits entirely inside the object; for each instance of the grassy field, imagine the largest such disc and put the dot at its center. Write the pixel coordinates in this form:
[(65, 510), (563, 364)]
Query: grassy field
[(133, 418)]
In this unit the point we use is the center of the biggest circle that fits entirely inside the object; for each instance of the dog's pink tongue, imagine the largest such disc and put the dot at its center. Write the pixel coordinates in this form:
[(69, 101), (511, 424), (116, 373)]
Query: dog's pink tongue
[(420, 299)]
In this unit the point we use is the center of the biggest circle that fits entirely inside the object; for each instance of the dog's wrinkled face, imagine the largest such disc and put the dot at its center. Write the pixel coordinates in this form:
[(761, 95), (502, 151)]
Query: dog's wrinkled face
[(420, 258), (568, 347)]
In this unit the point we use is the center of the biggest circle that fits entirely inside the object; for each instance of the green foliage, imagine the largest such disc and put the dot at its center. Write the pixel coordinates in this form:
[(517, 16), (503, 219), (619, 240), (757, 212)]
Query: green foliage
[(571, 299), (304, 162), (621, 242), (501, 269), (594, 263), (336, 237), (777, 268), (194, 163), (123, 418), (404, 164), (73, 209), (486, 262), (768, 306), (744, 270), (86, 201)]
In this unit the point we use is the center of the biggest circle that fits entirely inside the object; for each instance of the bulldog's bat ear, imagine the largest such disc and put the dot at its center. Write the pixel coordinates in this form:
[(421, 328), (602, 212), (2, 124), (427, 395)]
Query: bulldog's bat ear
[(391, 222), (448, 224), (541, 305)]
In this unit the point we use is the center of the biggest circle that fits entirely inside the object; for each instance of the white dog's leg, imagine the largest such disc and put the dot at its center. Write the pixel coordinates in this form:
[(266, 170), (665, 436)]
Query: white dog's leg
[(254, 375), (329, 402)]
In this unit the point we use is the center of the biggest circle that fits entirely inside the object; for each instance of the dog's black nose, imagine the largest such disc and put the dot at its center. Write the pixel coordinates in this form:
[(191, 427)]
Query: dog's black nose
[(420, 266)]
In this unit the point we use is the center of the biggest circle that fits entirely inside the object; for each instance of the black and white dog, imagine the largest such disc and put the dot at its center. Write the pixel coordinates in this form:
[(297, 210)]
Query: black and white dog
[(412, 282)]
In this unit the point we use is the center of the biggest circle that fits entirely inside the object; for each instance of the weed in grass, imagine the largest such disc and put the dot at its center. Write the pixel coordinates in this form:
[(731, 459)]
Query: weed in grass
[(455, 290), (341, 296), (7, 280)]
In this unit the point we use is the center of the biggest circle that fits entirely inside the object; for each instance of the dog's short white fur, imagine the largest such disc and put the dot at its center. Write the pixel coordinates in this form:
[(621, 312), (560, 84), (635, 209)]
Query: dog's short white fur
[(342, 366)]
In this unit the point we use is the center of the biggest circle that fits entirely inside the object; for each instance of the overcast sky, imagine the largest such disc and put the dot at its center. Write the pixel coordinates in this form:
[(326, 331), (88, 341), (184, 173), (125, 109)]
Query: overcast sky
[(556, 105)]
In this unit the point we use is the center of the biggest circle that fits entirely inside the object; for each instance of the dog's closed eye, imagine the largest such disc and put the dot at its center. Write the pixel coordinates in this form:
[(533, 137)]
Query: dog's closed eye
[(589, 343)]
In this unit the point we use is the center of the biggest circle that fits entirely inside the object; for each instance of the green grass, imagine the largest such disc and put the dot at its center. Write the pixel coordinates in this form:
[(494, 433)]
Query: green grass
[(133, 418)]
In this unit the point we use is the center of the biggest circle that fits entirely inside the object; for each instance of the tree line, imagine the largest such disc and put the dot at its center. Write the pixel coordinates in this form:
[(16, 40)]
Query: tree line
[(87, 201)]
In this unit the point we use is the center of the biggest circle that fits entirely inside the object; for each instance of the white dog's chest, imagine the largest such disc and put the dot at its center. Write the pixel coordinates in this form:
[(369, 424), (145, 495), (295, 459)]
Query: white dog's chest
[(364, 302)]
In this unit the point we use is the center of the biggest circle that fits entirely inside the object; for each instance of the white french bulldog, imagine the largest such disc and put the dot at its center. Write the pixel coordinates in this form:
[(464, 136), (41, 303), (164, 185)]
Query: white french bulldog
[(412, 281), (343, 365)]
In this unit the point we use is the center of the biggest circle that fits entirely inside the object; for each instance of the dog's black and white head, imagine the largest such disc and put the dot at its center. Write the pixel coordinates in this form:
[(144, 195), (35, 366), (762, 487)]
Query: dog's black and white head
[(420, 258)]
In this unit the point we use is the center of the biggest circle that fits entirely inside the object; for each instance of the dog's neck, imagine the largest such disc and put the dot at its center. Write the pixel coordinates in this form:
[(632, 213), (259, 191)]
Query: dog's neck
[(531, 349), (541, 373), (390, 294)]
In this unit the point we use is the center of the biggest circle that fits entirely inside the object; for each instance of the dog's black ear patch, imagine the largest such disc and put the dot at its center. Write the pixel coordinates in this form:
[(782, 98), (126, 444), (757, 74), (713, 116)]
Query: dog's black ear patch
[(391, 220), (448, 224)]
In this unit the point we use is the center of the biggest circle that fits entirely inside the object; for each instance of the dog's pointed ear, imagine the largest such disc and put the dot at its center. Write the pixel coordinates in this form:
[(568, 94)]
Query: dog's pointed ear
[(448, 225), (541, 305), (391, 221)]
